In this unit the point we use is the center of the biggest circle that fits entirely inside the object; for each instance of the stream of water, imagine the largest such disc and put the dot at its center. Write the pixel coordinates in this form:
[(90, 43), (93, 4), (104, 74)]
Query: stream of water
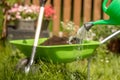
[(81, 33), (81, 36)]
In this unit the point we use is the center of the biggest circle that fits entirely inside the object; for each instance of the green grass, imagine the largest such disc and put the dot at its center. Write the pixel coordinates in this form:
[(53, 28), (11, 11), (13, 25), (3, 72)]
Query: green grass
[(104, 66)]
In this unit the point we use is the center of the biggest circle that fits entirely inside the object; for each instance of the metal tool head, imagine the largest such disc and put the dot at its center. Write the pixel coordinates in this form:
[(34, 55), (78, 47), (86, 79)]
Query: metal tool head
[(88, 25), (42, 2)]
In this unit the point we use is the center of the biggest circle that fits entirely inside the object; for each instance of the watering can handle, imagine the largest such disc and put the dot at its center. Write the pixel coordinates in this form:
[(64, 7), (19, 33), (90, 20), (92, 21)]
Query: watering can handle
[(104, 5)]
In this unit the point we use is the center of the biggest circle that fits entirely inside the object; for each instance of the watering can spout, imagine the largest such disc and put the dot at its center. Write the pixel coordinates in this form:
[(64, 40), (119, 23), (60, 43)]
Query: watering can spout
[(106, 22), (100, 22)]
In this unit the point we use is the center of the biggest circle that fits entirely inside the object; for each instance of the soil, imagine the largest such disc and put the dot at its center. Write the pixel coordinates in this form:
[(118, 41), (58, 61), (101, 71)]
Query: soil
[(55, 40), (114, 45)]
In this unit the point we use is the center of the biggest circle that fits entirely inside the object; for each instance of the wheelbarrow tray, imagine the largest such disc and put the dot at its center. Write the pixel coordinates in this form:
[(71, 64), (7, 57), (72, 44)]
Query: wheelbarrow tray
[(57, 53)]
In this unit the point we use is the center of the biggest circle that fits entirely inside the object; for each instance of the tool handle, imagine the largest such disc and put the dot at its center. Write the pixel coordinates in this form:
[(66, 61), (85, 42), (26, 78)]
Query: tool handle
[(42, 2), (111, 36)]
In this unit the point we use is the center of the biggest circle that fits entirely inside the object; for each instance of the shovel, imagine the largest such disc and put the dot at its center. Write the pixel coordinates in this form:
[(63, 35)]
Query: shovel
[(26, 63)]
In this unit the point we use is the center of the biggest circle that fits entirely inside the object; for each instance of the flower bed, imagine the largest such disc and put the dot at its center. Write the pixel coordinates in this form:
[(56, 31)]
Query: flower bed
[(29, 12), (23, 12)]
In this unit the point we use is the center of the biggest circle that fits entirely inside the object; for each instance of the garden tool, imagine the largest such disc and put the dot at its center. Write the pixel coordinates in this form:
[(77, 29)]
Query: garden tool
[(28, 62), (39, 25), (112, 11)]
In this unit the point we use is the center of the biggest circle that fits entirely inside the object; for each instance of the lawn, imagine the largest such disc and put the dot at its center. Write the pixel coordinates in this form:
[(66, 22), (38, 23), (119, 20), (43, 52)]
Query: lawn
[(104, 66)]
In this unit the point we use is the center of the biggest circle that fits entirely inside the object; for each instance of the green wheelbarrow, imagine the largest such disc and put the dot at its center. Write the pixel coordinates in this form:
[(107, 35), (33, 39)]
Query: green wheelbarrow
[(60, 53)]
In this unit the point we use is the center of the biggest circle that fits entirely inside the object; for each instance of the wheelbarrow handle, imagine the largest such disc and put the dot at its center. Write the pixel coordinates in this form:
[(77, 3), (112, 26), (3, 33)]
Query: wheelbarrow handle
[(109, 37)]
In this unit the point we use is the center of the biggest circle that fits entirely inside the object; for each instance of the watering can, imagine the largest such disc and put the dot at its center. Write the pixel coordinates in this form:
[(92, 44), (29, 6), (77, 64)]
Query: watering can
[(113, 11)]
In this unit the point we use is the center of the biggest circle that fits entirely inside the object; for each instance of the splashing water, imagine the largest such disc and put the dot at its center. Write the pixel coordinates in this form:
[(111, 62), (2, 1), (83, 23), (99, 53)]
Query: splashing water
[(82, 33), (80, 36)]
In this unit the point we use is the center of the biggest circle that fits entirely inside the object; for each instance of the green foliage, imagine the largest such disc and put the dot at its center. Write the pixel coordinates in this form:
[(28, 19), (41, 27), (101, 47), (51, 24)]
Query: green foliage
[(102, 31), (1, 20), (104, 66), (50, 26), (11, 2), (4, 4)]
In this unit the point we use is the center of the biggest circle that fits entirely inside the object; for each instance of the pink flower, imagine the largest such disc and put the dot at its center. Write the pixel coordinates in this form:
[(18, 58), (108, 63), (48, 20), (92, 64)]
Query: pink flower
[(23, 12), (16, 5), (13, 10), (30, 11), (49, 12), (35, 8), (18, 16)]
